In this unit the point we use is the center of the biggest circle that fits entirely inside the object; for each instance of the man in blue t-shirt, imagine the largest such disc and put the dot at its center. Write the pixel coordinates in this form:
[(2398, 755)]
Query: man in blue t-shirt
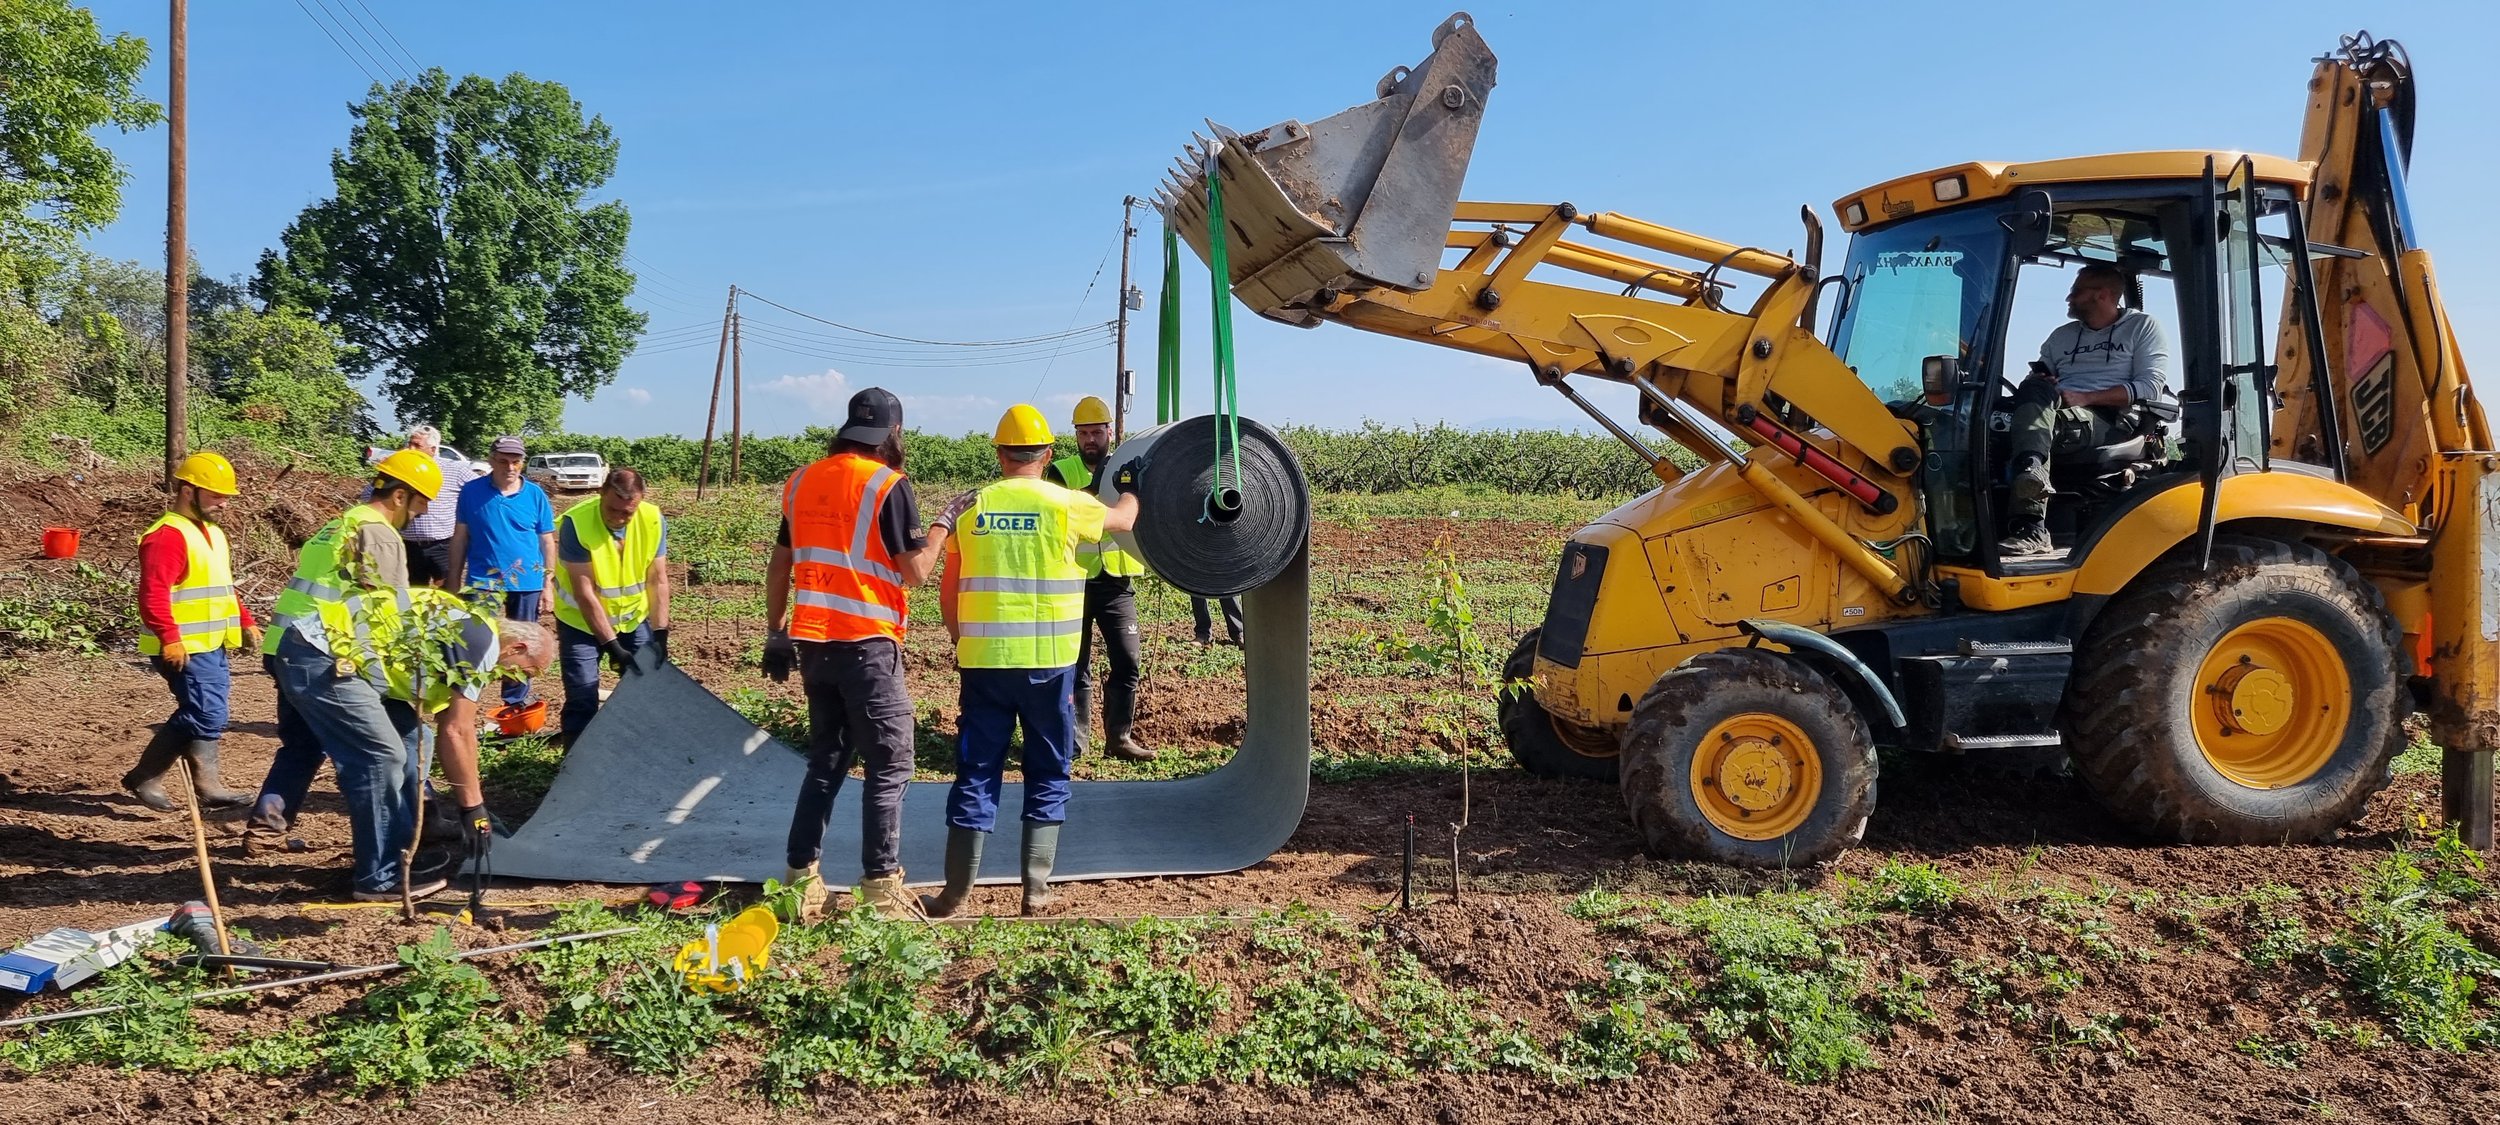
[(504, 541)]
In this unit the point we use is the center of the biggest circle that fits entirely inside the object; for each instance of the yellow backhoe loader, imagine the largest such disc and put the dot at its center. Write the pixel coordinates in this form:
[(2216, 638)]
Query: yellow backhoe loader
[(2249, 589)]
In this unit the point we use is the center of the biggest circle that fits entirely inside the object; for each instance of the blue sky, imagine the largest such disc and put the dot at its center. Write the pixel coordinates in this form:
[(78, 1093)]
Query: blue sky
[(955, 171)]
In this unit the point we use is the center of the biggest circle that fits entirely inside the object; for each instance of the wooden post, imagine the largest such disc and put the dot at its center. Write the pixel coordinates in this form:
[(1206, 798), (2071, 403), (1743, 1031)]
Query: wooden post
[(737, 392), (1119, 347), (703, 476), (177, 241)]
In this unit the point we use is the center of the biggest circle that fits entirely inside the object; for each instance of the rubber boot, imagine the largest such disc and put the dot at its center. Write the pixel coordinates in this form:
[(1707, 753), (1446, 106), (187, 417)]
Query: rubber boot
[(1084, 719), (812, 895), (1123, 745), (963, 865), (206, 783), (146, 779), (1041, 853)]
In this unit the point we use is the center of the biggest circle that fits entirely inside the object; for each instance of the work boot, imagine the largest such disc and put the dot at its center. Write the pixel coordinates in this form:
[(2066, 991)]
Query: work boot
[(266, 825), (1041, 853), (205, 782), (1084, 717), (146, 779), (963, 865), (2029, 538), (812, 895), (885, 897), (1124, 745)]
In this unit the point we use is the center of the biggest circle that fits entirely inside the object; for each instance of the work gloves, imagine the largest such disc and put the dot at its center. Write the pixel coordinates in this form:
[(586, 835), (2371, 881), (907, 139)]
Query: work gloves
[(779, 655), (1124, 482), (477, 830), (659, 643), (619, 655)]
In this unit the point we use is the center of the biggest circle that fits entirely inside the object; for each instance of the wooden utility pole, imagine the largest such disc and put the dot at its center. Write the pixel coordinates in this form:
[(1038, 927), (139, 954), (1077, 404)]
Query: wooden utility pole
[(177, 242), (1119, 347), (737, 391), (703, 476)]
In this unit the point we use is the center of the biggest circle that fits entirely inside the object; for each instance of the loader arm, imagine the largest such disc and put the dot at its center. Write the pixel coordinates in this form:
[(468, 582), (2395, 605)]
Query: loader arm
[(1350, 219)]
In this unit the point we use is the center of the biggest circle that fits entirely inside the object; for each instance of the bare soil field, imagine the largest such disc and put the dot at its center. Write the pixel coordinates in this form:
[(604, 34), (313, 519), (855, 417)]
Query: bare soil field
[(2078, 975)]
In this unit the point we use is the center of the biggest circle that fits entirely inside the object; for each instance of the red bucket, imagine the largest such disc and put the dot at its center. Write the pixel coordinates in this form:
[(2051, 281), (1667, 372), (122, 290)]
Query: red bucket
[(60, 542)]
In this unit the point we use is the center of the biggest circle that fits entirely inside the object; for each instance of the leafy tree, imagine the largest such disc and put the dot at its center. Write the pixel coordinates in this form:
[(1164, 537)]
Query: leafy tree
[(60, 79), (460, 257), (279, 369)]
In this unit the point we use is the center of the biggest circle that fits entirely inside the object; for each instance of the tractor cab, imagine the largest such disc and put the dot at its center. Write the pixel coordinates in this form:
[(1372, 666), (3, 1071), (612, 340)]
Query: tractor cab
[(1955, 278)]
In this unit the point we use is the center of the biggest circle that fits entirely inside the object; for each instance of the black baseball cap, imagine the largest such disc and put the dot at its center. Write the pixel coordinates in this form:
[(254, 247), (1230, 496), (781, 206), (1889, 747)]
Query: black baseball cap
[(874, 414)]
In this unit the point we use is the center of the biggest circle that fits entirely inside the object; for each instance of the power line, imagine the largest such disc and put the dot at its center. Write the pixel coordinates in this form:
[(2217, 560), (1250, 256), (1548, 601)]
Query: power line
[(906, 339), (403, 48), (937, 358), (853, 343), (334, 41), (352, 40), (1081, 298)]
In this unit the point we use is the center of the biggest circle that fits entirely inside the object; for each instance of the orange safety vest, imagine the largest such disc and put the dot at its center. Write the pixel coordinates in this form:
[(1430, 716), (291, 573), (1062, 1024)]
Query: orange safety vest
[(843, 583)]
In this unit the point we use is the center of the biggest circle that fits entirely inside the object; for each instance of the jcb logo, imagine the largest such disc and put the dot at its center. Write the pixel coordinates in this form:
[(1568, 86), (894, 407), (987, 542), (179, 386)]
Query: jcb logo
[(1006, 522)]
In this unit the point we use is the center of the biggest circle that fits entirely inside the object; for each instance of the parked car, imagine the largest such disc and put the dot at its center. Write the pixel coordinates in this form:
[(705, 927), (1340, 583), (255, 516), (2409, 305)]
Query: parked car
[(567, 472), (375, 453)]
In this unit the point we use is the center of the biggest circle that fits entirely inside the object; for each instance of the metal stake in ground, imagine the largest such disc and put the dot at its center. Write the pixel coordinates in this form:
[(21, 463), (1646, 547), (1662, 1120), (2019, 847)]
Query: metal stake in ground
[(199, 848)]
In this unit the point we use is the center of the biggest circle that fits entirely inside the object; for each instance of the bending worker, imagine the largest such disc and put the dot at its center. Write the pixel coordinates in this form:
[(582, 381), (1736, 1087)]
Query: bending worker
[(1014, 601), (399, 658), (187, 603), (850, 547), (1110, 600), (360, 550), (613, 598), (320, 653)]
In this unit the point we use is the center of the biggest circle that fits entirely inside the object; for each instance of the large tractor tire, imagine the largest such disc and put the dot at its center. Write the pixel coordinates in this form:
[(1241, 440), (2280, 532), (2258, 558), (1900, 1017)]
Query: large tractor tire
[(2258, 702), (1543, 744), (1748, 757)]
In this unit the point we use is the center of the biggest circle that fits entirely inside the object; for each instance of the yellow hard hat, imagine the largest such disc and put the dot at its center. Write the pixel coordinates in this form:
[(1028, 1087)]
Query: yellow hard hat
[(1092, 411), (1022, 425), (414, 469), (208, 472)]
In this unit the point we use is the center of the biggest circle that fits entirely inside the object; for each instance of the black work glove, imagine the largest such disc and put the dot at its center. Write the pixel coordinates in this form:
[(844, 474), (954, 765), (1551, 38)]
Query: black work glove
[(477, 829), (779, 655), (1124, 482), (619, 655), (659, 643)]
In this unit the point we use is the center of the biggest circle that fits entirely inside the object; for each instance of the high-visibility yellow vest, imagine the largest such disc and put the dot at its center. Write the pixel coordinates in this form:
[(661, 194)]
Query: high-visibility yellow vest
[(617, 566), (1020, 601), (1103, 555), (204, 606), (370, 631), (319, 578)]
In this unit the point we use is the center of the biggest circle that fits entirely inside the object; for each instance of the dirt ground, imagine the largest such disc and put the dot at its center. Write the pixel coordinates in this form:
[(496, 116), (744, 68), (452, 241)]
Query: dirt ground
[(76, 851)]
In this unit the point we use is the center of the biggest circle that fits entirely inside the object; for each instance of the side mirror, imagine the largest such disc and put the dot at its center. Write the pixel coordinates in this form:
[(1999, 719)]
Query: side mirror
[(1939, 376), (2028, 222)]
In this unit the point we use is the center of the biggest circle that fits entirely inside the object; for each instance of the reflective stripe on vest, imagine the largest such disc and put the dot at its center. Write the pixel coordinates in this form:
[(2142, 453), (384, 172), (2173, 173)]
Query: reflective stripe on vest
[(206, 615), (618, 567), (843, 582), (319, 578), (1020, 601), (1099, 556)]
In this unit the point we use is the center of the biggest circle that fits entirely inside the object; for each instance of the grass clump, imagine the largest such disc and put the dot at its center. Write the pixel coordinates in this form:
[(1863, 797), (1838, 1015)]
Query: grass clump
[(2404, 959), (1780, 981), (1907, 888)]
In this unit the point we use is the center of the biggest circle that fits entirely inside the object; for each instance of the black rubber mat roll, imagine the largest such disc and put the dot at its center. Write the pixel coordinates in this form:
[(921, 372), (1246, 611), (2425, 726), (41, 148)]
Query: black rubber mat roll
[(1228, 544)]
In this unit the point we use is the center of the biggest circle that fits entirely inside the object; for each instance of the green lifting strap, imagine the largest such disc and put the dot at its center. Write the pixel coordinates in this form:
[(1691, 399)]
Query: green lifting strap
[(1227, 393), (1168, 335)]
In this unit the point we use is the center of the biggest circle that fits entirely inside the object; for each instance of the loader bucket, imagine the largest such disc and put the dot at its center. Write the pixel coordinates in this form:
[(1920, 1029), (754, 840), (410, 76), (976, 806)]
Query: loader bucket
[(1358, 199)]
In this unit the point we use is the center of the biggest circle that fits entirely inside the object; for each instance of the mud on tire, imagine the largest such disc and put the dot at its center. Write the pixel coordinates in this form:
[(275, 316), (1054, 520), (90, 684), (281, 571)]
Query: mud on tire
[(1537, 741), (2130, 719), (1685, 705)]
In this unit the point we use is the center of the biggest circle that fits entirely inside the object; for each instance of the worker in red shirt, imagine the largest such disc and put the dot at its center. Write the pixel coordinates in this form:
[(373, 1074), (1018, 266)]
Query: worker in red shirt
[(191, 617)]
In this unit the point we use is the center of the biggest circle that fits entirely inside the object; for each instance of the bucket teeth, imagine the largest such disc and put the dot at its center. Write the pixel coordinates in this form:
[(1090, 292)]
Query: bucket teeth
[(1361, 198)]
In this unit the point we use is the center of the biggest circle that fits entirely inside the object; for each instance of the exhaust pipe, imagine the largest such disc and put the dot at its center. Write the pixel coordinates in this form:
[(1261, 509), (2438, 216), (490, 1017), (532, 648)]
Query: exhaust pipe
[(1359, 199)]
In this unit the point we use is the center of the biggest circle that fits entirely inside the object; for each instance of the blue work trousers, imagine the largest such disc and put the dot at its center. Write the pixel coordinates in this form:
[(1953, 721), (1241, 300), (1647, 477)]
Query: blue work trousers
[(292, 770), (995, 701), (199, 687), (372, 740), (580, 654)]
